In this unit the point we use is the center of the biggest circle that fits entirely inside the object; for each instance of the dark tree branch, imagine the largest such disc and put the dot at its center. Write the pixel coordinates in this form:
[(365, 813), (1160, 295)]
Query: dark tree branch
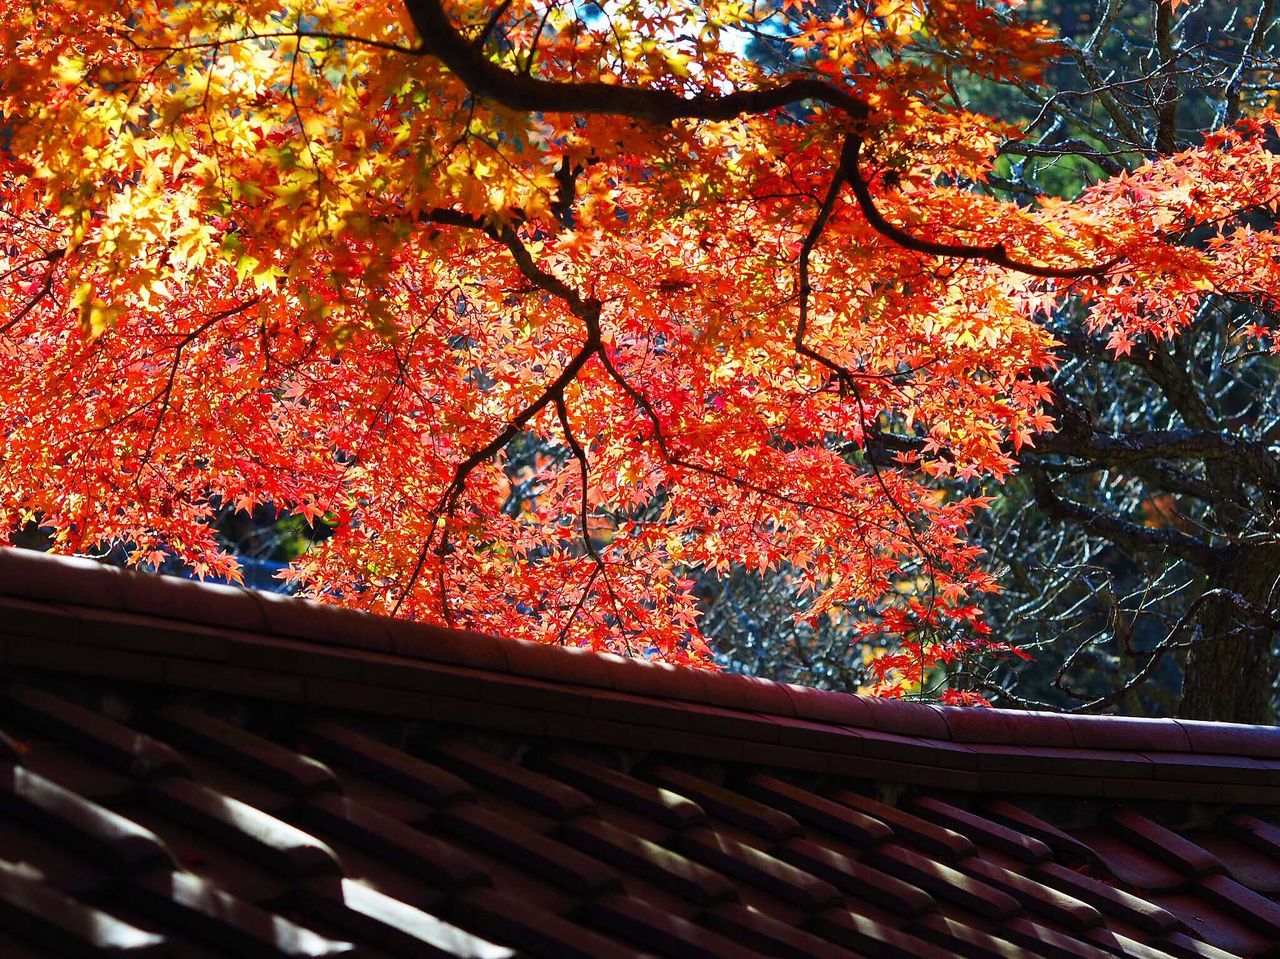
[(1106, 162), (492, 22), (1176, 381), (519, 91), (844, 376), (587, 309), (566, 192), (584, 470), (1245, 609), (584, 475), (994, 253), (53, 258), (1166, 138), (1119, 531), (1077, 438)]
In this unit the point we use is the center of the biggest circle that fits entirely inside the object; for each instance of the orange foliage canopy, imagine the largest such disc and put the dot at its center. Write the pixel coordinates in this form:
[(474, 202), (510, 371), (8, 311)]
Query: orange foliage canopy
[(336, 256)]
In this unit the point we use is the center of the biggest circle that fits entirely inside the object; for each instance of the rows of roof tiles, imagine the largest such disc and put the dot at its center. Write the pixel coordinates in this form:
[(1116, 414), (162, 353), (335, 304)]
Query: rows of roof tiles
[(76, 615), (140, 824)]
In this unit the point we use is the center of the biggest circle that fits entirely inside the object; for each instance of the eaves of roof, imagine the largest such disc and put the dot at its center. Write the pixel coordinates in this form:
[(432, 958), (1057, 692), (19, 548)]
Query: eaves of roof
[(80, 617)]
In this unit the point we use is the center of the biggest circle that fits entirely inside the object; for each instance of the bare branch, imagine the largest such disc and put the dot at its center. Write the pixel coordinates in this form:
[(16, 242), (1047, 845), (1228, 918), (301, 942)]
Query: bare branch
[(1246, 609), (586, 309)]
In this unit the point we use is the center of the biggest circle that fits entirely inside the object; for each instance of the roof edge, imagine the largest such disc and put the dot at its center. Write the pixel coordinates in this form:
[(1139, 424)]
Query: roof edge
[(28, 577)]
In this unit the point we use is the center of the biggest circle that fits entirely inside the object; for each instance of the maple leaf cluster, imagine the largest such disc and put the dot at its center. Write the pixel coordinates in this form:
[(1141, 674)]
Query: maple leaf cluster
[(337, 257)]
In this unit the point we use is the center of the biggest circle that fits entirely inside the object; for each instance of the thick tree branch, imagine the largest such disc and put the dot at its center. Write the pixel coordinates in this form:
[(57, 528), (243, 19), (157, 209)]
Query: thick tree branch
[(805, 287), (1166, 98), (1077, 438), (1070, 147), (1121, 532), (520, 91), (498, 12)]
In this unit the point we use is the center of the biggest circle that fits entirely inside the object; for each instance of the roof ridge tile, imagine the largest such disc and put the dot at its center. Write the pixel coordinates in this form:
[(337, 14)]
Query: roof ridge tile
[(908, 719), (825, 706), (362, 910), (100, 833), (1240, 739), (172, 597), (818, 811), (455, 647), (112, 742), (254, 833), (1007, 727), (480, 767), (935, 736), (377, 760), (1129, 733), (28, 574), (279, 767), (661, 805), (294, 617)]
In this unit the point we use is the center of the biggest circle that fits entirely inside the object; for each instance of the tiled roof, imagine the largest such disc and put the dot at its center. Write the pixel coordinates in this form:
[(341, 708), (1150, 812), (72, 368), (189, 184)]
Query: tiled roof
[(197, 771)]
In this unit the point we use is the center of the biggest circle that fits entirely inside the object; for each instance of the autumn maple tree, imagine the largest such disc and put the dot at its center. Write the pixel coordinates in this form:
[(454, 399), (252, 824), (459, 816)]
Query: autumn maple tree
[(1136, 545), (343, 258)]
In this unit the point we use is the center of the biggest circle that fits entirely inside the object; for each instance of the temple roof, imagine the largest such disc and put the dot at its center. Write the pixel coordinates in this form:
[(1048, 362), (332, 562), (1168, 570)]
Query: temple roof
[(195, 770)]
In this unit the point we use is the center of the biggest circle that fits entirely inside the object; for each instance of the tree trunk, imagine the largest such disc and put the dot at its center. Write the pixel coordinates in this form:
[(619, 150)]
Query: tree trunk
[(1233, 679)]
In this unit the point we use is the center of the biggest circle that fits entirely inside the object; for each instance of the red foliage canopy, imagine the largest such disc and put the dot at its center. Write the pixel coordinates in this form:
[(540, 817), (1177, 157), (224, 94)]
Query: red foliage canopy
[(344, 257)]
